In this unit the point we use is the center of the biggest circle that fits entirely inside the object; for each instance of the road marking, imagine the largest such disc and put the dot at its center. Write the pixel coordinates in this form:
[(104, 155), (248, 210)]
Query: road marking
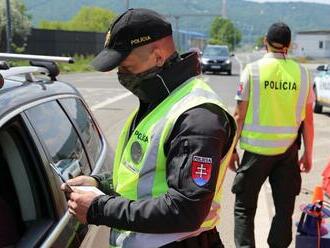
[(110, 101)]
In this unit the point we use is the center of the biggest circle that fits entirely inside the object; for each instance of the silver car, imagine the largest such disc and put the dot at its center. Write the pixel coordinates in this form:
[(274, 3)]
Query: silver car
[(322, 88), (47, 135)]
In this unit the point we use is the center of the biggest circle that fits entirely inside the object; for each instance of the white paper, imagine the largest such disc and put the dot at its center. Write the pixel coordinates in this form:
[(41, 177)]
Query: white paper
[(88, 188)]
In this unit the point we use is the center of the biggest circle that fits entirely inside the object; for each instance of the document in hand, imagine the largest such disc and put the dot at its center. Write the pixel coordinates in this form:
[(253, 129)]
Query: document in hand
[(88, 188)]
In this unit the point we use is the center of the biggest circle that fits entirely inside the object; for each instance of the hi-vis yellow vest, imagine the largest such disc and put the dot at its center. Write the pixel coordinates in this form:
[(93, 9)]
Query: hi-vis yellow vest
[(277, 100), (139, 170)]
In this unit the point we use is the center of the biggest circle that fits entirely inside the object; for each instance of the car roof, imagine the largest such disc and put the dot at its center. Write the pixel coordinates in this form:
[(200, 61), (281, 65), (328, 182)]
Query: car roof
[(20, 86), (15, 94)]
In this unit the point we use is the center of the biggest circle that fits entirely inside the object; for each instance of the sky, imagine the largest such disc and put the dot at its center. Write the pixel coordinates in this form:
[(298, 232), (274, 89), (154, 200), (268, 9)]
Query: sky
[(310, 1)]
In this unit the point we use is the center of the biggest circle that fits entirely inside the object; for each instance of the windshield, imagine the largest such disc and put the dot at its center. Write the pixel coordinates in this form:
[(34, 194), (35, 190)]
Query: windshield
[(216, 51)]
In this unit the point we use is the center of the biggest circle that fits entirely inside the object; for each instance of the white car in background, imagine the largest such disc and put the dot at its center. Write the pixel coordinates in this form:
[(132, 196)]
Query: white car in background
[(322, 88)]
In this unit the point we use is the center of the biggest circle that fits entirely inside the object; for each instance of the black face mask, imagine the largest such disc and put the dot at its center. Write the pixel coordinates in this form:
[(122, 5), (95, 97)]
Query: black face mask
[(144, 84), (133, 82)]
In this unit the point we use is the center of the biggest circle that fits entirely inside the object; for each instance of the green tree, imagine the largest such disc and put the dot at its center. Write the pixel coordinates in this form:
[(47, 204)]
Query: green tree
[(92, 19), (260, 42), (20, 24), (223, 32)]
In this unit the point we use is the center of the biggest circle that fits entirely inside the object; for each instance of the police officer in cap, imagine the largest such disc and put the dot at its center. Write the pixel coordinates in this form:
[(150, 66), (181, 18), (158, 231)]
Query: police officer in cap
[(164, 187), (274, 102)]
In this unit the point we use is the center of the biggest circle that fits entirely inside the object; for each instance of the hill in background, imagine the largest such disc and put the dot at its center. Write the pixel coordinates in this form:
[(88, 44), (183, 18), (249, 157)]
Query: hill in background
[(251, 18)]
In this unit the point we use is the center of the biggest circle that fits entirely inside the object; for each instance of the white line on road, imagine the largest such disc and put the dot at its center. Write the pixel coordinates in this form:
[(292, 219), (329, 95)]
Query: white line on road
[(109, 101)]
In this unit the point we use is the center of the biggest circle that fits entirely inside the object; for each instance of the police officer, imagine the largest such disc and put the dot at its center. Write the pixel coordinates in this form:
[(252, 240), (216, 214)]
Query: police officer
[(274, 99), (164, 187)]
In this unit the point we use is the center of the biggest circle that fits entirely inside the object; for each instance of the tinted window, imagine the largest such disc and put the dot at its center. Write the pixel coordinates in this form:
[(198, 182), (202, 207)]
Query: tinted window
[(86, 126), (216, 51), (60, 138), (25, 205)]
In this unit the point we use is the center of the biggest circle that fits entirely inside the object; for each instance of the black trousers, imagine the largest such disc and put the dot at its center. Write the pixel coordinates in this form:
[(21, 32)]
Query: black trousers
[(285, 180), (207, 239)]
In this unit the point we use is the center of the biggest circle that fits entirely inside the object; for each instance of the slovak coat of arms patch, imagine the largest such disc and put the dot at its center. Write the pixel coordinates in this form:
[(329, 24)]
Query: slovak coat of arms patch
[(201, 169)]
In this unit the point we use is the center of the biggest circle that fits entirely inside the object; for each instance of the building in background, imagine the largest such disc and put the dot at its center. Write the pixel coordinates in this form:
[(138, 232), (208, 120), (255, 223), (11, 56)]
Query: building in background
[(186, 40), (313, 44)]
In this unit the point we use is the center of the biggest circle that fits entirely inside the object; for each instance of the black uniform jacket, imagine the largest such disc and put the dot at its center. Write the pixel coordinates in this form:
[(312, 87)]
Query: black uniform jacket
[(204, 131)]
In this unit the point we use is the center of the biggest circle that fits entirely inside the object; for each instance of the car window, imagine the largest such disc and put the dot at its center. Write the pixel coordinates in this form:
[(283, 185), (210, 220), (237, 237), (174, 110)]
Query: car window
[(216, 51), (85, 125), (25, 205), (60, 139)]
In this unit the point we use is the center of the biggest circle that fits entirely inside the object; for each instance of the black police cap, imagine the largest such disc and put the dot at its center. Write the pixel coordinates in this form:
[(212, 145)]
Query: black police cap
[(133, 28), (279, 33)]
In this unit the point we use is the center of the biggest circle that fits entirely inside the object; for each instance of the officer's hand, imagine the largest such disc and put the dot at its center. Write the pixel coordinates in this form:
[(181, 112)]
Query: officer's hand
[(305, 163), (234, 162), (79, 203), (80, 181)]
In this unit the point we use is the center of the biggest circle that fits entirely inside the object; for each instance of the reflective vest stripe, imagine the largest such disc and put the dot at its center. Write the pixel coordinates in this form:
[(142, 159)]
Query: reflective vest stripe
[(117, 237), (147, 173), (146, 182), (304, 82), (270, 129), (256, 92), (267, 143)]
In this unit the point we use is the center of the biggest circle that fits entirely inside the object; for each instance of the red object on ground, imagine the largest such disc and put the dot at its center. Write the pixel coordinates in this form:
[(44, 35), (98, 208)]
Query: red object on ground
[(317, 195), (326, 179)]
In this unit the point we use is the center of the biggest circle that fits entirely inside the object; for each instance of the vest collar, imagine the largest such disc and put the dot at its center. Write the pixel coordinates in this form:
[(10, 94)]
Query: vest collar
[(186, 66)]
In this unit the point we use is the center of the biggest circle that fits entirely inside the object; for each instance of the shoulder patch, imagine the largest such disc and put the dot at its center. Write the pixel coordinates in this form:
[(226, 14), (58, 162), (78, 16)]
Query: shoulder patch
[(201, 169), (239, 89)]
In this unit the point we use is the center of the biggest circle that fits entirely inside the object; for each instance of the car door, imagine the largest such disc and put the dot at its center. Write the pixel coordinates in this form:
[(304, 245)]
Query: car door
[(324, 93), (74, 145), (65, 151), (31, 204)]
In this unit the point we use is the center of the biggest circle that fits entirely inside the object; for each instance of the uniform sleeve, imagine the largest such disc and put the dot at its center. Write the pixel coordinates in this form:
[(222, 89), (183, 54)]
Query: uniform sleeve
[(105, 183), (200, 138), (243, 88)]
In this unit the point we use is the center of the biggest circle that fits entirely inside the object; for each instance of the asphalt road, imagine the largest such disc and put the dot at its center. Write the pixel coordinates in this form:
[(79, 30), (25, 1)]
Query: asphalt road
[(111, 104)]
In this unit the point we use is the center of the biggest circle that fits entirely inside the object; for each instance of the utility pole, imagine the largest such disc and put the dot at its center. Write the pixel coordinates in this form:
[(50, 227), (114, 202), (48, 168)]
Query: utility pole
[(224, 9), (127, 4), (8, 29)]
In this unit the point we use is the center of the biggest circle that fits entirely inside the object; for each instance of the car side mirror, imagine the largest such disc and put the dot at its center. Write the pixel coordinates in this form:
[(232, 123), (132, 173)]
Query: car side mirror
[(321, 68)]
